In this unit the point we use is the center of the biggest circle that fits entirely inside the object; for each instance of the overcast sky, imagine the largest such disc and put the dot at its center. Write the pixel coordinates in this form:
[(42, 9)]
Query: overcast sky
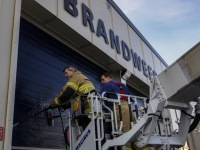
[(172, 27)]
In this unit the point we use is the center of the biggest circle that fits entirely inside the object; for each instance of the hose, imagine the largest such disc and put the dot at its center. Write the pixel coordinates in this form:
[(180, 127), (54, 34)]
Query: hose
[(30, 117), (194, 123)]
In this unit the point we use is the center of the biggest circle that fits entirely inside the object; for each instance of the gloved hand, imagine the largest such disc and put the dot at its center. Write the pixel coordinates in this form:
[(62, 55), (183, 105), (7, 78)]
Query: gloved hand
[(66, 105), (49, 107)]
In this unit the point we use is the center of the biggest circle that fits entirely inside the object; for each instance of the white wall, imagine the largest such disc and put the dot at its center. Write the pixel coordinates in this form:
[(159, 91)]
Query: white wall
[(9, 29)]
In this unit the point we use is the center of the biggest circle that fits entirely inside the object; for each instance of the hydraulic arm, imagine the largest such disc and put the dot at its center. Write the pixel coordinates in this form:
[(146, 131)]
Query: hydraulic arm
[(170, 91)]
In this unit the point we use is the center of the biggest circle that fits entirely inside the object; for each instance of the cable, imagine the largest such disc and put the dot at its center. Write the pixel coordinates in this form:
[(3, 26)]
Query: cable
[(30, 117), (155, 115), (194, 123), (188, 114)]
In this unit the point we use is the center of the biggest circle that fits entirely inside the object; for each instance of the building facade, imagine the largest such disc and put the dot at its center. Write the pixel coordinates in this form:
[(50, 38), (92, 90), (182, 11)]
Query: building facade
[(39, 38)]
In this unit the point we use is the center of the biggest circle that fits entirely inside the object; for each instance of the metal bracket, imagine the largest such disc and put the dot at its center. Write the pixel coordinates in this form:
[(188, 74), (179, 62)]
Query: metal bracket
[(164, 141)]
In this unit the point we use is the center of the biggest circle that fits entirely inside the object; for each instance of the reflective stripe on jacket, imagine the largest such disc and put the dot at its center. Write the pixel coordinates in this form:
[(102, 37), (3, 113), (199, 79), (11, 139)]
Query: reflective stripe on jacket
[(79, 83)]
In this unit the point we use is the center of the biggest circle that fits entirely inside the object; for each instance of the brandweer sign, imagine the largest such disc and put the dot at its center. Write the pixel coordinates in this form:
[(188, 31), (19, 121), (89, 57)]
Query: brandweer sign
[(128, 54)]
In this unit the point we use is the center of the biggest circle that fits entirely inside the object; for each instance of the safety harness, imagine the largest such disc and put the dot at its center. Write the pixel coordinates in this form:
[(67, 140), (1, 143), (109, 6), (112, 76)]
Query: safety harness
[(121, 89)]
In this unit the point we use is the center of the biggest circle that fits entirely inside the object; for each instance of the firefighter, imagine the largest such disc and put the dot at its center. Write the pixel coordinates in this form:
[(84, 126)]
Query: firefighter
[(116, 87), (77, 84)]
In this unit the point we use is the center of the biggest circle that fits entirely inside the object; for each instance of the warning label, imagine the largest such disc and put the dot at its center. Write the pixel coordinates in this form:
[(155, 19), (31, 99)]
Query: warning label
[(1, 133)]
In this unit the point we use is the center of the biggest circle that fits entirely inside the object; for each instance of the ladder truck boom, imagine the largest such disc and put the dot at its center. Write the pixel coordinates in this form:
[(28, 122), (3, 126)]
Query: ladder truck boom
[(171, 90)]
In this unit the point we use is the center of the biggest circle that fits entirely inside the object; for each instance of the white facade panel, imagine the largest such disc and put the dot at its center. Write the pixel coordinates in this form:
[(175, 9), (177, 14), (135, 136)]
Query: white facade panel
[(121, 29), (51, 5), (148, 55), (163, 66), (135, 42), (157, 63), (76, 23), (9, 31), (148, 59), (100, 11), (136, 46)]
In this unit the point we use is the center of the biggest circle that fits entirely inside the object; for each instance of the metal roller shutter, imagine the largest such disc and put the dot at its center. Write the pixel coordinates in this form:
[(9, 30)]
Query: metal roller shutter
[(41, 59)]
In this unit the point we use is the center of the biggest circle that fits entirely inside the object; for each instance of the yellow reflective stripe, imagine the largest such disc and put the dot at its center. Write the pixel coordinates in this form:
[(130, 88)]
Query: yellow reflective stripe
[(73, 85), (56, 101), (85, 89), (89, 103), (87, 110), (127, 148), (84, 86)]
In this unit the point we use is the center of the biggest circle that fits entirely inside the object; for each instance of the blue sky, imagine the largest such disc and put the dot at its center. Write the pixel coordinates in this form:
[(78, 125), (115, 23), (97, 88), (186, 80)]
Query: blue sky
[(172, 27)]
